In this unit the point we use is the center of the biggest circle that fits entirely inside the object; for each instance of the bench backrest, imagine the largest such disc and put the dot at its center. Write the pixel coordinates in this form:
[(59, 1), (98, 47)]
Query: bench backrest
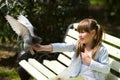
[(112, 44)]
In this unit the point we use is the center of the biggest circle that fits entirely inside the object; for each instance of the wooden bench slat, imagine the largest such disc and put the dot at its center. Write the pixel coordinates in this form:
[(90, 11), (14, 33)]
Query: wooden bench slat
[(110, 76), (32, 71), (112, 50), (72, 33), (64, 59), (54, 66), (69, 54), (115, 65), (75, 25), (111, 39), (69, 39), (41, 68)]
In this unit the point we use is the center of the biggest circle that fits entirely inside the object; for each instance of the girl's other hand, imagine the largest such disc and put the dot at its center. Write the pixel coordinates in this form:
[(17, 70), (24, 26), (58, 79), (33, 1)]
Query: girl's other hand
[(86, 58)]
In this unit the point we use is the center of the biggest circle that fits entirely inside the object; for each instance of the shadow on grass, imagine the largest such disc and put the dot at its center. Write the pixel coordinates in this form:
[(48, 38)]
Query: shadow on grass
[(9, 62)]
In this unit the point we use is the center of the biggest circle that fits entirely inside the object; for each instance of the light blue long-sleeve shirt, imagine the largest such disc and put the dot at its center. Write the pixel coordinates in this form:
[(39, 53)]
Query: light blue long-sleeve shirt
[(99, 65)]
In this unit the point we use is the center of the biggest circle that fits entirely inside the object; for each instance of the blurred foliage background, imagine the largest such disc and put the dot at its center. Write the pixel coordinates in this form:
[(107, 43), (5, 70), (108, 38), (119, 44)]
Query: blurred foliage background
[(50, 18)]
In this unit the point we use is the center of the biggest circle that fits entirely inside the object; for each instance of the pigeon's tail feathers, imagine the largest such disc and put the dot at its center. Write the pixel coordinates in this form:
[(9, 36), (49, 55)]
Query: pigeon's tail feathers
[(22, 19)]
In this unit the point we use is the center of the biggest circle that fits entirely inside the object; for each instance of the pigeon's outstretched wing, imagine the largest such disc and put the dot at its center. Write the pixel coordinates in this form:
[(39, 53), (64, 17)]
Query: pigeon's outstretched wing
[(22, 19), (20, 29)]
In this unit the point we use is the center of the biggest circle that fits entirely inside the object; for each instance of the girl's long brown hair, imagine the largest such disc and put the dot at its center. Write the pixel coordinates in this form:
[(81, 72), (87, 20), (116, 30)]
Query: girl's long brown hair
[(87, 25)]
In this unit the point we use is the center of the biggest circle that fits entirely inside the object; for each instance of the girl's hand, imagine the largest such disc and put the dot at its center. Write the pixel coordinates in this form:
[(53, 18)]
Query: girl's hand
[(36, 47), (86, 58)]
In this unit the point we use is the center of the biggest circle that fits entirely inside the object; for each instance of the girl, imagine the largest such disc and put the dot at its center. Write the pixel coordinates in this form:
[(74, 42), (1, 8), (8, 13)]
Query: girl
[(90, 61)]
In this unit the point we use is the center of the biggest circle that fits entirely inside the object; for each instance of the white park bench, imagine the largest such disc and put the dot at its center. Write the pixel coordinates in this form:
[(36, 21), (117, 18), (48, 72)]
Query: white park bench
[(48, 69)]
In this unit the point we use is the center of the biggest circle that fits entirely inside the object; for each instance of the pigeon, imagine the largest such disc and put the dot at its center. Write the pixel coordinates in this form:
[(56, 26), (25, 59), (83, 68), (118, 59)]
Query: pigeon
[(24, 29)]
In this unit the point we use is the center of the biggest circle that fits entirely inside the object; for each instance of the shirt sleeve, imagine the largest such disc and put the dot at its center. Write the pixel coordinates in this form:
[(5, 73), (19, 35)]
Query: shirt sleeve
[(63, 47), (102, 62)]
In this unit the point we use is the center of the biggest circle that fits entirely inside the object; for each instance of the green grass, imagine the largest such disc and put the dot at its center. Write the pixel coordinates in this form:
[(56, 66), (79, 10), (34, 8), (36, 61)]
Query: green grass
[(9, 73)]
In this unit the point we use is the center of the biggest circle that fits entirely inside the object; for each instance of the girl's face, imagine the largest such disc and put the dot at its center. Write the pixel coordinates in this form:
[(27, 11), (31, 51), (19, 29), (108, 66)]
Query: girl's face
[(86, 38)]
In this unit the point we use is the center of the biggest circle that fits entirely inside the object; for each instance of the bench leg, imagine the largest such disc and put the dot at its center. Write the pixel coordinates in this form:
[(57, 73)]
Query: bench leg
[(23, 74)]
